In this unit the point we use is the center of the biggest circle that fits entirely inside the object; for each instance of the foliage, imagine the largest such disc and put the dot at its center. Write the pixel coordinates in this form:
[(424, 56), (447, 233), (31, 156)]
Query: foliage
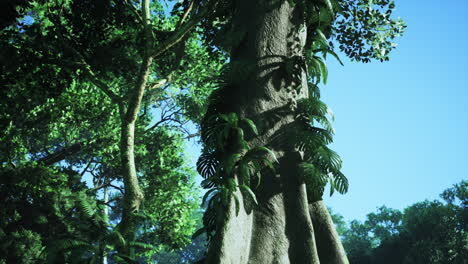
[(425, 232), (190, 253), (69, 61), (370, 20), (228, 165), (40, 206)]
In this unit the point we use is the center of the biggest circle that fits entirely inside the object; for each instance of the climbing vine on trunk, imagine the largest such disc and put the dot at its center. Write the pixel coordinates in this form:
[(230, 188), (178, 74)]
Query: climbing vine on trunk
[(267, 207)]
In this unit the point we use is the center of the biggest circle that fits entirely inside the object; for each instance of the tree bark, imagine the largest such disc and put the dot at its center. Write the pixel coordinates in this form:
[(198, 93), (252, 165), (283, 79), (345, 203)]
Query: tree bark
[(328, 242), (280, 229), (133, 195)]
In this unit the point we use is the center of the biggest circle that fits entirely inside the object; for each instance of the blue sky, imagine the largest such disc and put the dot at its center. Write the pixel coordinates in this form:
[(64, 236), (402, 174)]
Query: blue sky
[(402, 126)]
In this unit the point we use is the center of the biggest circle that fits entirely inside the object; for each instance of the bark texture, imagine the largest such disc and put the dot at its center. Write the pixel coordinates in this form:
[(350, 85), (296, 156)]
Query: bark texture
[(133, 195), (284, 227)]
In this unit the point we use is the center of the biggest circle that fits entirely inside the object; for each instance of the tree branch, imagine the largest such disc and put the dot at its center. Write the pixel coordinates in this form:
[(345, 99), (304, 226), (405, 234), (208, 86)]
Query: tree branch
[(61, 154), (135, 12), (86, 168), (100, 84), (185, 15), (181, 32), (83, 65), (192, 135)]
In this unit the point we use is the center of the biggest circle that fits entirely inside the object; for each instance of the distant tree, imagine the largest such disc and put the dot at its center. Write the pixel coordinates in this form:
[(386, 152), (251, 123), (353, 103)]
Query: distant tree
[(426, 232)]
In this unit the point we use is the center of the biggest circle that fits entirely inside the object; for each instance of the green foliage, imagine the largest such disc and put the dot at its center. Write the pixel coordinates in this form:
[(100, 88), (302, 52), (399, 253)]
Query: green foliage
[(41, 206), (365, 30), (54, 114), (425, 232), (322, 165), (190, 253), (228, 165)]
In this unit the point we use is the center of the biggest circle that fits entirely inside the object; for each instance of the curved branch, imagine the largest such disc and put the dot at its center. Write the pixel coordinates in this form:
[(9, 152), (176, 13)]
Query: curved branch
[(182, 31)]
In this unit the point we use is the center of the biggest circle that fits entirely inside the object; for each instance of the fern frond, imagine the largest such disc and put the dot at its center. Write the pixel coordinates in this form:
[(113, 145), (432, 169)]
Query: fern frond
[(313, 107), (340, 182), (70, 244), (141, 246), (115, 238), (85, 207), (326, 159), (311, 139)]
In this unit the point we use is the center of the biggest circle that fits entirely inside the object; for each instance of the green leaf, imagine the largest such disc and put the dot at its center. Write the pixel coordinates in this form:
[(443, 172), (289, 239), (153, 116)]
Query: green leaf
[(259, 179), (207, 164), (341, 182), (322, 38), (329, 51), (142, 246), (261, 149), (329, 6), (250, 192), (323, 70), (206, 196), (252, 125), (332, 187), (85, 207), (237, 203), (244, 172), (230, 118), (270, 165), (209, 182)]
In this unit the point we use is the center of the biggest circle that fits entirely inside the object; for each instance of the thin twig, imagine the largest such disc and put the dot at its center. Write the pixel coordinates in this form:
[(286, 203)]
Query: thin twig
[(185, 15), (86, 168)]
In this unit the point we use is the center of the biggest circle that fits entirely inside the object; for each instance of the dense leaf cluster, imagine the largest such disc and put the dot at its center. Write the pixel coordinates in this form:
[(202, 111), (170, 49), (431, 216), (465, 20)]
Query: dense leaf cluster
[(58, 124)]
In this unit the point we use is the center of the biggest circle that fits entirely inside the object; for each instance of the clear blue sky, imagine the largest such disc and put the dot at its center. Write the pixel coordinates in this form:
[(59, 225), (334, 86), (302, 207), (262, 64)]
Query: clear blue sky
[(402, 126)]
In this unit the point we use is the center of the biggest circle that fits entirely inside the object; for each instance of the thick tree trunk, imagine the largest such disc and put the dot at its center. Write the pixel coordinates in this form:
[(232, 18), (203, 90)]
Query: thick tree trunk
[(280, 229)]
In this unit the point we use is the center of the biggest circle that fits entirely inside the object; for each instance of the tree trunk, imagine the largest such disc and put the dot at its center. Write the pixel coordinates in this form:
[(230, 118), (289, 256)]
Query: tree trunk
[(283, 228), (106, 218), (328, 242), (133, 196)]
